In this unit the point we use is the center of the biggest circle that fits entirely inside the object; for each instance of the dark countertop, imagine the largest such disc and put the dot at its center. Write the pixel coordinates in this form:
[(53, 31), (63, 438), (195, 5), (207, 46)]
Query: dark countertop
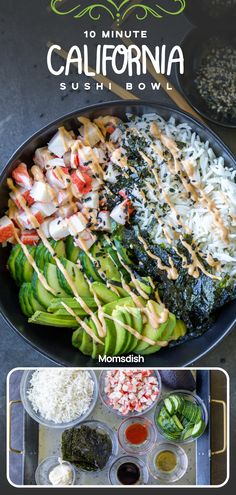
[(29, 99)]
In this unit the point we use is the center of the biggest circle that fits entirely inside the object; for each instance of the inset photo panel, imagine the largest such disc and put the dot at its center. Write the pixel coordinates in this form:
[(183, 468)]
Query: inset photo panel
[(134, 427)]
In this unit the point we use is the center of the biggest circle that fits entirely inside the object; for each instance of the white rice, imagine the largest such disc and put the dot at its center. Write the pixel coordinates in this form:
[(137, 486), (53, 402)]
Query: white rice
[(215, 179), (60, 395)]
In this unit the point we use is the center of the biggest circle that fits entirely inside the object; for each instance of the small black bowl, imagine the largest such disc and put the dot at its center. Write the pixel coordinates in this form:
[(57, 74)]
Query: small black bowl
[(205, 12), (196, 45)]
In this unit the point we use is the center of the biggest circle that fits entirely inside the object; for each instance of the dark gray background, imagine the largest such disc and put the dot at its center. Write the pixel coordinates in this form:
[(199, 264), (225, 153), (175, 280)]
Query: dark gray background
[(29, 99)]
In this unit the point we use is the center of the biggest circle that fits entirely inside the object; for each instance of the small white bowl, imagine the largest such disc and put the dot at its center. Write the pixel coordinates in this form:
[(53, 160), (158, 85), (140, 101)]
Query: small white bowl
[(46, 466)]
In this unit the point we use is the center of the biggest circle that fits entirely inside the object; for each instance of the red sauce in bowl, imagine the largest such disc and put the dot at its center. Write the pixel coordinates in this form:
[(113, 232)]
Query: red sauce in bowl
[(136, 433)]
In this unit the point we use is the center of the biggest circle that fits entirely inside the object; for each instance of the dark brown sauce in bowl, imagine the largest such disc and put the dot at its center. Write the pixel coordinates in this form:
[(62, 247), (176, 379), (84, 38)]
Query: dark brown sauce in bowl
[(128, 473)]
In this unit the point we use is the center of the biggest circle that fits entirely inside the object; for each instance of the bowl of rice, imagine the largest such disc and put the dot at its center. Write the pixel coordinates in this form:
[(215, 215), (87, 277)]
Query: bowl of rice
[(59, 398)]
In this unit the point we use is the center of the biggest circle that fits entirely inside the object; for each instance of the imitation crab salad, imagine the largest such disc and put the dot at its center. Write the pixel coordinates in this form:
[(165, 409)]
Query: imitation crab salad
[(124, 232)]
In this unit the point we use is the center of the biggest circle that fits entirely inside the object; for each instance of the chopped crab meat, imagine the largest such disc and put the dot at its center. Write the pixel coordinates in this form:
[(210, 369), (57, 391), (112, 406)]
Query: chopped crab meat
[(67, 159), (45, 227), (82, 182), (6, 229), (41, 157), (91, 200), (104, 221), (84, 154), (66, 210), (37, 173), (24, 220), (55, 162), (58, 229), (120, 213), (30, 237), (56, 178), (96, 184), (100, 154), (131, 390), (76, 223), (63, 196), (47, 209), (60, 143), (41, 191), (90, 132), (85, 240), (21, 176), (22, 193)]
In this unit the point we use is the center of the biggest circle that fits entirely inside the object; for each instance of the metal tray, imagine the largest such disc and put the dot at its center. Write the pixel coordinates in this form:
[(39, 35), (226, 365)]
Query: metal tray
[(40, 442)]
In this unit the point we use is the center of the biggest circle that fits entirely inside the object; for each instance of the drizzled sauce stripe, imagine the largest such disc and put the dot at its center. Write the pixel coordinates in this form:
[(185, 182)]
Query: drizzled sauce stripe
[(135, 333), (82, 323)]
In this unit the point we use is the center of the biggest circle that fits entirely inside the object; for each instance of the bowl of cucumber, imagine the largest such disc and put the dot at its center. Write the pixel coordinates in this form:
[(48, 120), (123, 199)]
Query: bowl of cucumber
[(181, 416)]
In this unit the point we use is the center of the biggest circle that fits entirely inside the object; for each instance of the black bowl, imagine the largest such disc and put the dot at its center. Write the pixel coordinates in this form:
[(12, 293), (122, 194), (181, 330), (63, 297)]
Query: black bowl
[(56, 343), (195, 46)]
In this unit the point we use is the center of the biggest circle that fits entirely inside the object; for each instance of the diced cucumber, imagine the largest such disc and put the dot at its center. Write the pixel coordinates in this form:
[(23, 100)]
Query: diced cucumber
[(12, 260), (175, 402), (89, 267), (164, 413), (76, 275), (72, 251), (28, 271), (44, 297), (169, 406), (24, 301), (187, 433), (198, 429), (190, 410), (177, 422), (50, 273), (39, 256), (19, 267), (122, 251), (59, 248), (178, 401), (36, 306)]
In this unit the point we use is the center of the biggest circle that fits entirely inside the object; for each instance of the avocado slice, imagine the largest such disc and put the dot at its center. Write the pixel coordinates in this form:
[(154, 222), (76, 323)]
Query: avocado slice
[(86, 346), (77, 337), (106, 263), (130, 339), (137, 323), (111, 333), (144, 285), (165, 335), (121, 333), (104, 294), (179, 331)]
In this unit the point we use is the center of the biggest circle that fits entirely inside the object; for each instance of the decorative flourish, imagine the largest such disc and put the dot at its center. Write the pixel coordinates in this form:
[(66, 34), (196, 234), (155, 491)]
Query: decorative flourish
[(118, 10)]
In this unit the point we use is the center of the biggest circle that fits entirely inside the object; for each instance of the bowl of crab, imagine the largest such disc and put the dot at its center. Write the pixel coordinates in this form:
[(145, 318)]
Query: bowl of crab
[(130, 392), (103, 254)]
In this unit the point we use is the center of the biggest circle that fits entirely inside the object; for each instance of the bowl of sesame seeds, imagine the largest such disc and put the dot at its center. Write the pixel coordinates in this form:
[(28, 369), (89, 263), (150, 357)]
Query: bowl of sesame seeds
[(209, 80)]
